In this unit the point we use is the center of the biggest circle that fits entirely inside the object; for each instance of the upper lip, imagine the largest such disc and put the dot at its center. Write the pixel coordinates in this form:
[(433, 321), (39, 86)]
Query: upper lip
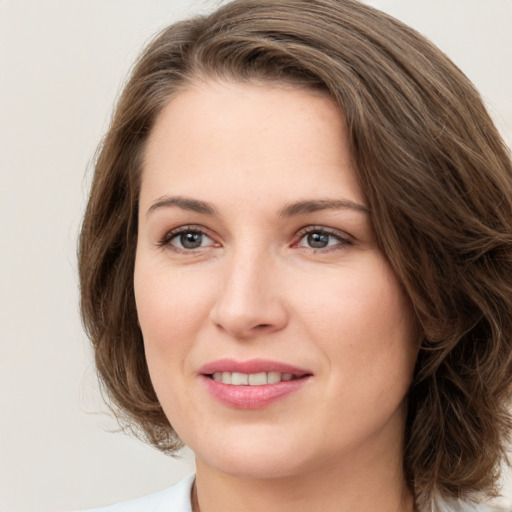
[(251, 366)]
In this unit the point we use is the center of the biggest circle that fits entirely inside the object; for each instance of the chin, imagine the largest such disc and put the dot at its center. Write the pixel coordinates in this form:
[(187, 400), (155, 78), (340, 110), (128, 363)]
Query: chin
[(242, 466), (253, 456)]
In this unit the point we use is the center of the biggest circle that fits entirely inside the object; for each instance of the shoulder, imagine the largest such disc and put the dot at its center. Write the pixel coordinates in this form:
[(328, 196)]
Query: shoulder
[(172, 499)]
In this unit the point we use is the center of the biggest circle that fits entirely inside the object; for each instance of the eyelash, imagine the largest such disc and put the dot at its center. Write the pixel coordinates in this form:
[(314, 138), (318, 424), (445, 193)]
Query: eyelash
[(166, 240), (343, 241)]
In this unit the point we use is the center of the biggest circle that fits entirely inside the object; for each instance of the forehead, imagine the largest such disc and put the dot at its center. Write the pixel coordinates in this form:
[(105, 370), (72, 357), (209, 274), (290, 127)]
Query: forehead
[(248, 139)]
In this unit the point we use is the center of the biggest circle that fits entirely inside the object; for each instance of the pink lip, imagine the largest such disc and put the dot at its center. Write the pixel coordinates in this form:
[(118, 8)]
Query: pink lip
[(252, 397), (251, 366)]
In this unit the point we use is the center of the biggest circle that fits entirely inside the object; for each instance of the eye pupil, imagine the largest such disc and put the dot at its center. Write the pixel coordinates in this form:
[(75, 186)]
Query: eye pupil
[(191, 239), (318, 240)]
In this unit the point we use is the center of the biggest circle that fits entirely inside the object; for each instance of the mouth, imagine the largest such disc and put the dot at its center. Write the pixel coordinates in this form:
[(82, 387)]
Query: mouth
[(255, 372), (252, 384), (253, 379)]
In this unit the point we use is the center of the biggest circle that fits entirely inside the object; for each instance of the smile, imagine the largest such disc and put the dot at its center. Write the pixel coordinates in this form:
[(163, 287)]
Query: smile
[(251, 379), (253, 384)]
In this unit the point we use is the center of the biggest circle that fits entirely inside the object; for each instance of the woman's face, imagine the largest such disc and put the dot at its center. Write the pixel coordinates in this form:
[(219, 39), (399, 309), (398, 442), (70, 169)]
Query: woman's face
[(277, 337)]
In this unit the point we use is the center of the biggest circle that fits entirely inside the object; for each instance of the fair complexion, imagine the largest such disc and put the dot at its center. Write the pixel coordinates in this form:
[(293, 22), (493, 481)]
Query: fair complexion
[(255, 251)]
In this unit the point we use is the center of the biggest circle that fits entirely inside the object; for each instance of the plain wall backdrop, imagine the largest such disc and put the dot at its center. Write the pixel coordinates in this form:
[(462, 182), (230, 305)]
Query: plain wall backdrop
[(62, 63)]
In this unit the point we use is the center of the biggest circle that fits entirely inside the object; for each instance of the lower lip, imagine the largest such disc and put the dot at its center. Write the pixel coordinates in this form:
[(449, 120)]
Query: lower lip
[(252, 397)]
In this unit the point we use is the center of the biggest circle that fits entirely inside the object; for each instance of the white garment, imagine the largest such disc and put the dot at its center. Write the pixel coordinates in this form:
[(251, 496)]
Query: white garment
[(172, 499), (177, 499), (460, 506)]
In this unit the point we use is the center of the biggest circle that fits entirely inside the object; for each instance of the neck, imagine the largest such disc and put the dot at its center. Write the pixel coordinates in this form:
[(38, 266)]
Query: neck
[(362, 487)]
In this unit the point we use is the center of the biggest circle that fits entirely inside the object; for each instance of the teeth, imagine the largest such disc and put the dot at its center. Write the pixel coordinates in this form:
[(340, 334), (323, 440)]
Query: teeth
[(251, 379), (273, 377), (239, 379), (257, 379)]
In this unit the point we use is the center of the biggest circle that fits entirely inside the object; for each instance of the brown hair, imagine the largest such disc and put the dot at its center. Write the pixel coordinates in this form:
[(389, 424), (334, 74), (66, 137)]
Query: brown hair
[(436, 175)]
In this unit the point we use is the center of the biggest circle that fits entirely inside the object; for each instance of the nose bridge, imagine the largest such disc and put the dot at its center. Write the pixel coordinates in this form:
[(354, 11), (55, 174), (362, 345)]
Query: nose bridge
[(249, 300)]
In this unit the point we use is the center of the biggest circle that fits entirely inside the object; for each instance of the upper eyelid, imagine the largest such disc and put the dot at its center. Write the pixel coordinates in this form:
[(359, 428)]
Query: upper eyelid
[(305, 229), (324, 229), (299, 234), (344, 239), (169, 234), (189, 227)]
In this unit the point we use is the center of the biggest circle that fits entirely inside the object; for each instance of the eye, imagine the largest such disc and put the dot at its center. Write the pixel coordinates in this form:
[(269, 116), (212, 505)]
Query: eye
[(190, 240), (321, 238), (186, 239)]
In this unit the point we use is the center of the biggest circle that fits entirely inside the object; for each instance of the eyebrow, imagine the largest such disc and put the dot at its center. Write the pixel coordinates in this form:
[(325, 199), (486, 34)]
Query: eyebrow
[(184, 203), (310, 206), (289, 210)]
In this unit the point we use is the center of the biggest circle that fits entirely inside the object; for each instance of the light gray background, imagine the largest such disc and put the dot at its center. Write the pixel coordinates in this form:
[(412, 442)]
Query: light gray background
[(62, 63)]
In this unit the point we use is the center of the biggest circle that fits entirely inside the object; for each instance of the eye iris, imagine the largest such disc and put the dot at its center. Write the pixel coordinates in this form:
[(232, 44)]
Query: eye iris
[(191, 240), (318, 240)]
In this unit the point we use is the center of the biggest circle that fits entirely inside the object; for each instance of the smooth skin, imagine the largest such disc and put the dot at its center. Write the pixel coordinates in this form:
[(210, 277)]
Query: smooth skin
[(256, 241)]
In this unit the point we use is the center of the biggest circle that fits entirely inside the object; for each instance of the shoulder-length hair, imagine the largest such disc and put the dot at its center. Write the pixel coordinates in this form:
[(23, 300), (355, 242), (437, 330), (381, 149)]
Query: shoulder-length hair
[(436, 175)]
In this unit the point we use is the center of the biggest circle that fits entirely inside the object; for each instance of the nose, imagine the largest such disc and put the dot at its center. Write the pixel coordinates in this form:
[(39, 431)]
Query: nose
[(250, 301)]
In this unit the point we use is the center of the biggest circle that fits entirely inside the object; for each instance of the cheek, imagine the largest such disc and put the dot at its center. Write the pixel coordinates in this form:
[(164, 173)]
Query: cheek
[(368, 300), (172, 306), (386, 323), (364, 323)]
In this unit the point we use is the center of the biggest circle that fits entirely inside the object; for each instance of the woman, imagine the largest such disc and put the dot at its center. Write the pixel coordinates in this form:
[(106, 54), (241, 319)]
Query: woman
[(296, 259)]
